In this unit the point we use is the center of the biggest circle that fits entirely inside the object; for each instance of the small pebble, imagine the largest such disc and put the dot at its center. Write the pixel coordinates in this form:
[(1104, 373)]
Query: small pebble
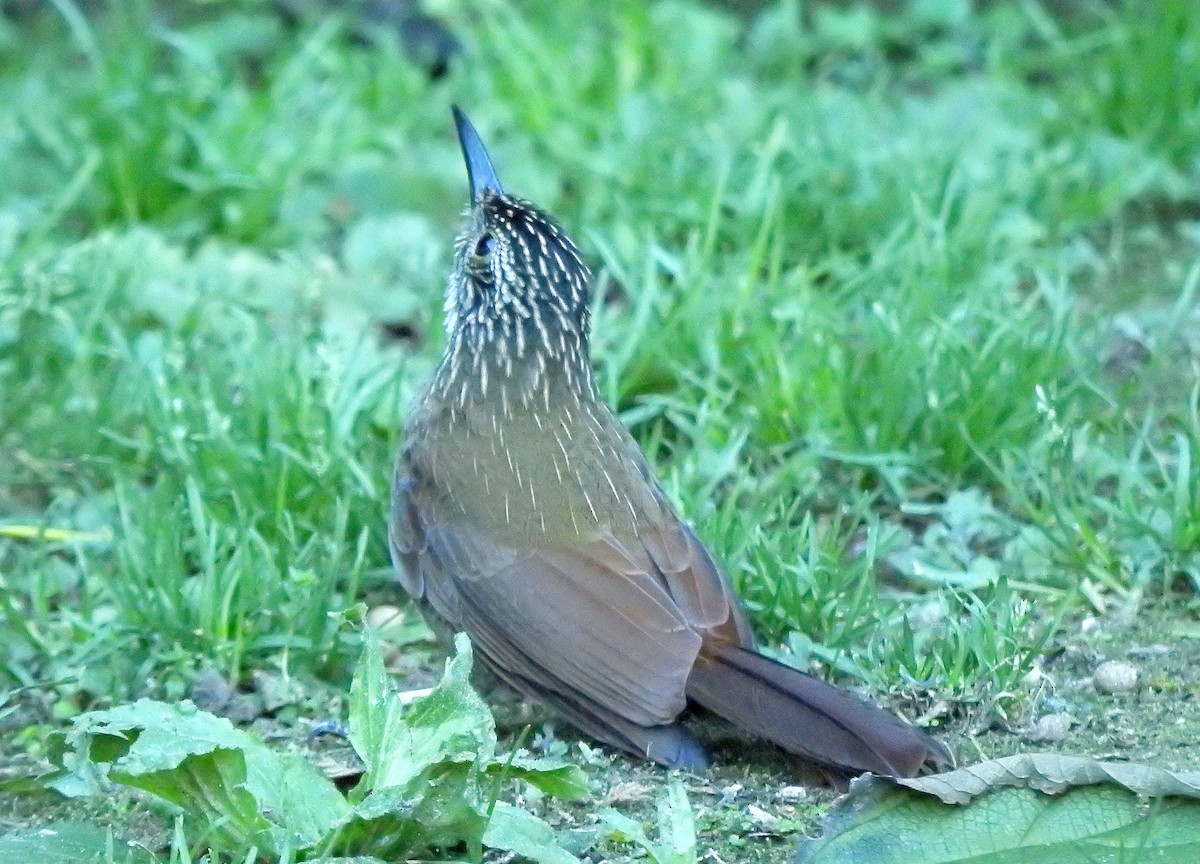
[(210, 691), (728, 794), (244, 708), (761, 818), (1115, 676), (1051, 727), (277, 690), (382, 617), (792, 793)]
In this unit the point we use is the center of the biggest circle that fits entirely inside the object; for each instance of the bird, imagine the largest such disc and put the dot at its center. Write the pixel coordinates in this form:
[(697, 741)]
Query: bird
[(524, 514)]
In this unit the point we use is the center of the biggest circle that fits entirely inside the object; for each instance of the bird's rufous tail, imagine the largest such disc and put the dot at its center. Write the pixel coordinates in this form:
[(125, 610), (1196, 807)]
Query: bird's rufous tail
[(806, 716)]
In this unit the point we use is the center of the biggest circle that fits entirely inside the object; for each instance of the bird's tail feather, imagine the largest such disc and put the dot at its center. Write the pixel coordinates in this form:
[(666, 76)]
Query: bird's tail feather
[(808, 717)]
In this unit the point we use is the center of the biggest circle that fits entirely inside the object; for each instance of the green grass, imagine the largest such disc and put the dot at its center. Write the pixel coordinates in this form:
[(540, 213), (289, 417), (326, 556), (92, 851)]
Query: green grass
[(860, 271)]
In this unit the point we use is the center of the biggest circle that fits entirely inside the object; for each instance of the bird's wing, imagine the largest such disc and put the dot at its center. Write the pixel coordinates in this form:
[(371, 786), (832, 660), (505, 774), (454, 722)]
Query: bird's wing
[(588, 618), (693, 579), (614, 623)]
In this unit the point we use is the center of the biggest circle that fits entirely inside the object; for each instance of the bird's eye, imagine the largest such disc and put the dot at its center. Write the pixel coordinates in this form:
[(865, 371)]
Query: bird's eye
[(484, 246)]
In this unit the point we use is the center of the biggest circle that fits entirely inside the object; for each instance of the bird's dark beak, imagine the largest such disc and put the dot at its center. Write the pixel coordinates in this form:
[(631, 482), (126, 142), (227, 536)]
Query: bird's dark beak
[(479, 167)]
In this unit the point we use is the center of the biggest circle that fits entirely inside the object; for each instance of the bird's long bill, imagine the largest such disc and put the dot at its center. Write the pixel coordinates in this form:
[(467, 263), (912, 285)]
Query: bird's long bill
[(479, 167)]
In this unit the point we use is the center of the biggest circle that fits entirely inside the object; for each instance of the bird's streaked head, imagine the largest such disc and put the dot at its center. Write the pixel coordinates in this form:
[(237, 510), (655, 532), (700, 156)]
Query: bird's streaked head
[(518, 284)]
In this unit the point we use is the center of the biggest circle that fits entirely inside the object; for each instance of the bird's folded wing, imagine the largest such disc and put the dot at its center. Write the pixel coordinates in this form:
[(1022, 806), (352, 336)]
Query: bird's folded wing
[(618, 623), (587, 618), (693, 579)]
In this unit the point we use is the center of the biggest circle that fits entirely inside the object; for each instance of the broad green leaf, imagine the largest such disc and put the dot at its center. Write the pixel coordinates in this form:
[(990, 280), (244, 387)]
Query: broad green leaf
[(1004, 816), (552, 776), (70, 843), (370, 709), (515, 830), (448, 810), (247, 793), (399, 743), (433, 770)]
